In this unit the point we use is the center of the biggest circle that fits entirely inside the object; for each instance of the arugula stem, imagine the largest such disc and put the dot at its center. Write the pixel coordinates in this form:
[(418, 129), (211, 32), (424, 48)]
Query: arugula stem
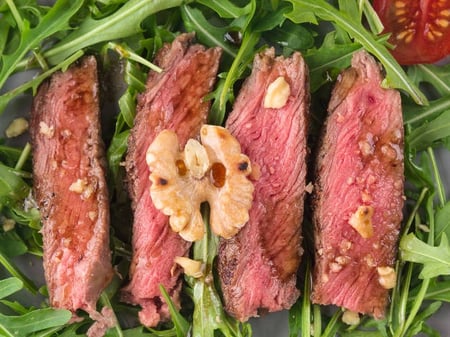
[(28, 284), (23, 156), (395, 291), (306, 304), (40, 60), (437, 177), (402, 306), (414, 211), (16, 15), (317, 323), (104, 299), (415, 308), (128, 54), (419, 298), (49, 332), (249, 40), (332, 325), (423, 113)]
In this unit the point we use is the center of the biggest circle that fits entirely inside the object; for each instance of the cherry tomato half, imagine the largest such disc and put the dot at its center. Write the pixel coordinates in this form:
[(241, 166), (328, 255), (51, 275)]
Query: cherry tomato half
[(420, 28)]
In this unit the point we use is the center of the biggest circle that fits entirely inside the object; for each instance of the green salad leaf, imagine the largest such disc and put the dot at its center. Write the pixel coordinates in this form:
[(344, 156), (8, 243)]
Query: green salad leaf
[(32, 321), (310, 11), (55, 20), (435, 260), (124, 22)]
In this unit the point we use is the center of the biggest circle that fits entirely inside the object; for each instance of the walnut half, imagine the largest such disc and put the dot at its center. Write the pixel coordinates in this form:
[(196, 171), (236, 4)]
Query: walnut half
[(213, 171)]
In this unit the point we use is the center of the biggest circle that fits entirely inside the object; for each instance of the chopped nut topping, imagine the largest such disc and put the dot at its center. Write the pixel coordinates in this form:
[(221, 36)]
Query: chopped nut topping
[(345, 246), (191, 267), (78, 186), (17, 127), (309, 188), (46, 130), (361, 221), (335, 267), (370, 261), (277, 94), (350, 317), (213, 171), (82, 186), (92, 215), (342, 260), (387, 277)]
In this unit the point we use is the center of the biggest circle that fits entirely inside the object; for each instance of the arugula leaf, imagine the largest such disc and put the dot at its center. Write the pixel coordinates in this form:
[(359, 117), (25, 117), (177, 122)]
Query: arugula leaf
[(55, 20), (417, 115), (9, 286), (435, 260), (417, 325), (4, 30), (12, 187), (437, 76), (290, 36), (226, 9), (224, 93), (11, 244), (427, 134), (211, 35), (442, 221), (113, 27), (310, 11), (438, 291), (36, 81), (181, 325), (33, 321), (326, 62)]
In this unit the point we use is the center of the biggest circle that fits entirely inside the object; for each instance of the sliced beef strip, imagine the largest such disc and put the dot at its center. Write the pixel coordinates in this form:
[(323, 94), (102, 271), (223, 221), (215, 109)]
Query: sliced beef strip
[(70, 187), (174, 99), (258, 266), (360, 163)]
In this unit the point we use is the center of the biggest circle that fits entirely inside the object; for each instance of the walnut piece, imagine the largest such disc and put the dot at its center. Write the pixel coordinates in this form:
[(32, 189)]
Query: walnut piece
[(361, 221), (277, 93), (190, 267), (17, 127), (350, 317), (213, 171), (387, 277)]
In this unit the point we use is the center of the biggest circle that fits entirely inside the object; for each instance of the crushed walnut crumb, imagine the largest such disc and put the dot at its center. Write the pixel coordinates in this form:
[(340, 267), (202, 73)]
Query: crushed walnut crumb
[(361, 221)]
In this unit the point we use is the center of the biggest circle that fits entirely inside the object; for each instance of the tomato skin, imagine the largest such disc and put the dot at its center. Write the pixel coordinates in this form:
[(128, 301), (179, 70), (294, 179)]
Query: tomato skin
[(420, 29)]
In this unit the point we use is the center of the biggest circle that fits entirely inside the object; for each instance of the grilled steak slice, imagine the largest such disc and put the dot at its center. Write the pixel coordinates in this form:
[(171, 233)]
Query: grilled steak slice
[(359, 192), (258, 266), (70, 187), (174, 99)]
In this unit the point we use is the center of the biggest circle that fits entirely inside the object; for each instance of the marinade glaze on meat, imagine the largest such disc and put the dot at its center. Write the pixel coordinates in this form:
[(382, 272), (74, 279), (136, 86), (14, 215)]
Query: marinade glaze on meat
[(258, 266), (359, 181), (174, 99), (70, 188)]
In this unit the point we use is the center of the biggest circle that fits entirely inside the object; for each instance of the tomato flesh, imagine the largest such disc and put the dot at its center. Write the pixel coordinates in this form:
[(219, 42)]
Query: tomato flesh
[(420, 29)]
